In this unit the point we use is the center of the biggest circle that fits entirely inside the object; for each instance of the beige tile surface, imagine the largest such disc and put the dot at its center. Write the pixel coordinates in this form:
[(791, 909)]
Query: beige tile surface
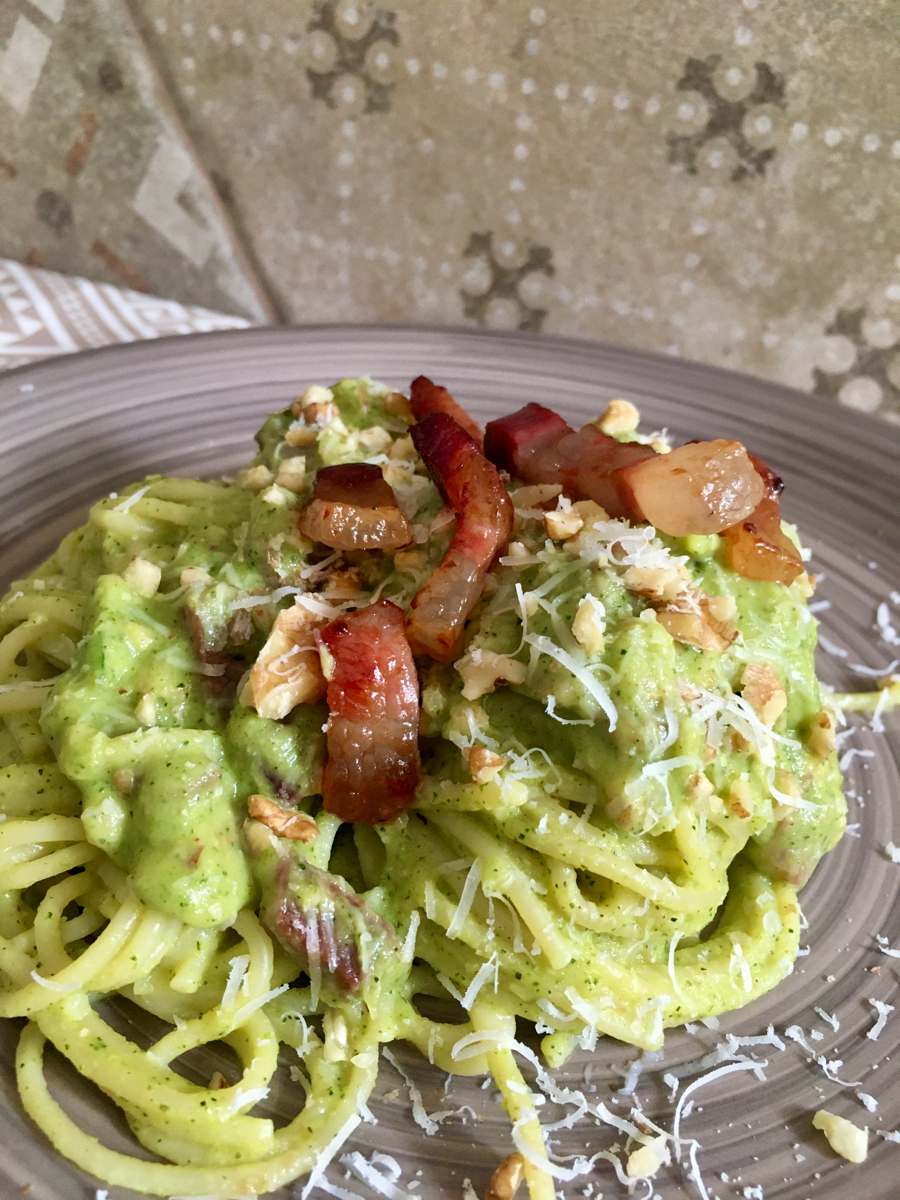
[(712, 178)]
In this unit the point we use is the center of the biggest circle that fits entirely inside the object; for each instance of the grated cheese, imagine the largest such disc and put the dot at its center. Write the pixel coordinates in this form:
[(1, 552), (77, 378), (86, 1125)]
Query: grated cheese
[(54, 985), (330, 1151), (236, 978), (543, 645), (131, 500), (883, 1010), (425, 1121), (409, 944), (473, 879), (483, 974)]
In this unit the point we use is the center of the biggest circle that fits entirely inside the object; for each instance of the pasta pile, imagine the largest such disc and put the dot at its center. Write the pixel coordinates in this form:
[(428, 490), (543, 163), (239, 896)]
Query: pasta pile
[(605, 843)]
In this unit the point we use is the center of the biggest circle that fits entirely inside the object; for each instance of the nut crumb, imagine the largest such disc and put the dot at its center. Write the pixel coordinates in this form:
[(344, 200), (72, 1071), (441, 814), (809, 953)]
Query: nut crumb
[(295, 826), (506, 1179)]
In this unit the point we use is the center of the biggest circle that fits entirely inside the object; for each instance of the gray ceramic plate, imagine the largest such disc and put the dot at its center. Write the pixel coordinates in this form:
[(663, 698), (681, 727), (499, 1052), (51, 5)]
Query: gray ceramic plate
[(77, 427)]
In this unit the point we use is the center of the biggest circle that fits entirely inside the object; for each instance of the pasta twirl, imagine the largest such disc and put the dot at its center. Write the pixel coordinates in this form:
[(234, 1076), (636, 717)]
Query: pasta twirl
[(623, 784)]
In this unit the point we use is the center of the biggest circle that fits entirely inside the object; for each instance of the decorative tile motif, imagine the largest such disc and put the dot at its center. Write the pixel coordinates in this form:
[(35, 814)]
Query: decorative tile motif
[(873, 379), (726, 117), (351, 56), (355, 145), (505, 282)]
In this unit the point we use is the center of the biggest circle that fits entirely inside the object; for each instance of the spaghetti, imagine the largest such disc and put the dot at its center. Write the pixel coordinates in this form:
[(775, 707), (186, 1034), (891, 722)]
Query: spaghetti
[(608, 838)]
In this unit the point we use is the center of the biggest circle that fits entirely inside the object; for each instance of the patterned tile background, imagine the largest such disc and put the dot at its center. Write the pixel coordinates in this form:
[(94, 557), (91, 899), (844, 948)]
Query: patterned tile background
[(718, 179)]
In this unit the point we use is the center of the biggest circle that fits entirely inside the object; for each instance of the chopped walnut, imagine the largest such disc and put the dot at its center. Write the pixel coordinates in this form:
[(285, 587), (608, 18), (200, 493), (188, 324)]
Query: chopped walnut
[(533, 495), (313, 395), (822, 737), (375, 440), (143, 576), (287, 671), (806, 584), (620, 416), (217, 1081), (589, 626), (657, 583), (314, 409), (506, 1179), (482, 671), (342, 584), (562, 525), (256, 478), (398, 405), (404, 451), (483, 763), (763, 691), (192, 575), (292, 475), (702, 628), (295, 826), (698, 790), (740, 799)]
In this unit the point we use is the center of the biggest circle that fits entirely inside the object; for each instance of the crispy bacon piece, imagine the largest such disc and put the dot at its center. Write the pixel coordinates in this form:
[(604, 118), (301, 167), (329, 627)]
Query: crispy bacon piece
[(354, 508), (537, 446), (702, 487), (473, 489), (699, 488), (372, 769), (426, 397)]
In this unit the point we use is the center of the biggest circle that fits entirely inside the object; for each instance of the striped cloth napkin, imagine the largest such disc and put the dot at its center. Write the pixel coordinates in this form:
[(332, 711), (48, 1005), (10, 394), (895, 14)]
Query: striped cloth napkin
[(43, 313)]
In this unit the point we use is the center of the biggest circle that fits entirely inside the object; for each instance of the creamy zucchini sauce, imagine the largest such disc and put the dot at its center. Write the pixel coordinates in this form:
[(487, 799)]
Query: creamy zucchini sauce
[(609, 835)]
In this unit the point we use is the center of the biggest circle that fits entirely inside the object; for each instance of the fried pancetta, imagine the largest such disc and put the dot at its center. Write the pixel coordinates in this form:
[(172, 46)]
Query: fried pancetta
[(426, 397), (372, 769), (473, 489), (354, 508)]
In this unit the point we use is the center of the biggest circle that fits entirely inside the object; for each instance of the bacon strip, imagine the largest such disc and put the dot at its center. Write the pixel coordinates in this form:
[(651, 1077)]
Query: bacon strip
[(426, 397), (372, 769), (702, 487), (537, 446), (320, 922), (354, 508), (473, 489)]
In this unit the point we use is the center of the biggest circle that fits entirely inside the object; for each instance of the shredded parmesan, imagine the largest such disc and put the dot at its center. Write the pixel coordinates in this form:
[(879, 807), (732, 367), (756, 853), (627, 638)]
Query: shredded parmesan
[(543, 645), (54, 985), (236, 977), (473, 879), (883, 1010), (329, 1153)]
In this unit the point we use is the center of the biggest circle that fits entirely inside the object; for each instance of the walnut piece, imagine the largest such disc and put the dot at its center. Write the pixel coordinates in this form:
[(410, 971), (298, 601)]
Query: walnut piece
[(483, 763), (620, 416), (482, 671), (657, 583), (143, 576), (506, 1179), (287, 671), (763, 691), (702, 628), (295, 826), (562, 525), (822, 739)]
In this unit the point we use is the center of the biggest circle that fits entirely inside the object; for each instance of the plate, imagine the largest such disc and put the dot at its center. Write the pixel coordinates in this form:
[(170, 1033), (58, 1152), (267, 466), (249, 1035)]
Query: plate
[(77, 427)]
